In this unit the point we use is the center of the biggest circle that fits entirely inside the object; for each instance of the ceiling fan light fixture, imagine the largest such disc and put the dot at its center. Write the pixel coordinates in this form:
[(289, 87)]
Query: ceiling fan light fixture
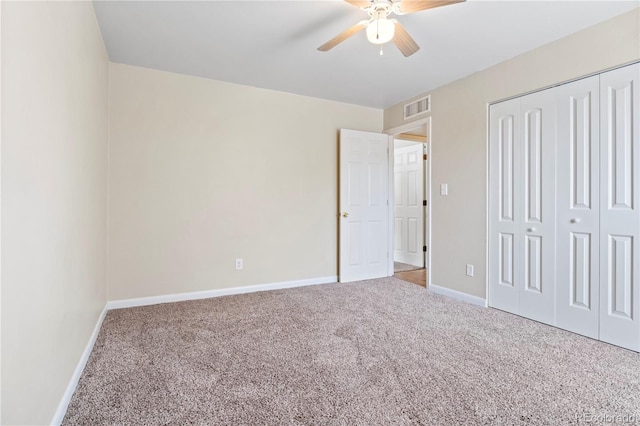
[(380, 31)]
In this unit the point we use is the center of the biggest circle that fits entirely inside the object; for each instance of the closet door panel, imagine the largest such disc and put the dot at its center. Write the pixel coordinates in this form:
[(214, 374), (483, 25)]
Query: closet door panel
[(577, 228), (504, 205), (619, 209), (537, 194)]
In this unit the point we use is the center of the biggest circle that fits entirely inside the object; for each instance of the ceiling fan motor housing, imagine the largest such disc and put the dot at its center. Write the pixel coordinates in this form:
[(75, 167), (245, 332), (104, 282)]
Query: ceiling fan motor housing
[(380, 9)]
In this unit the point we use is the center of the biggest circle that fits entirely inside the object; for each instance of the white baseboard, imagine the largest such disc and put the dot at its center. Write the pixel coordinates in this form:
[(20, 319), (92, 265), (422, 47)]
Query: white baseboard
[(474, 300), (71, 387), (179, 297)]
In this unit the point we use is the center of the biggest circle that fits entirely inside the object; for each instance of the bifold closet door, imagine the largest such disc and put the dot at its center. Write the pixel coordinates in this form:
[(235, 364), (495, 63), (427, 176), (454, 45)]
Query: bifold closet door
[(578, 206), (619, 209), (504, 173), (522, 208), (535, 193), (564, 213)]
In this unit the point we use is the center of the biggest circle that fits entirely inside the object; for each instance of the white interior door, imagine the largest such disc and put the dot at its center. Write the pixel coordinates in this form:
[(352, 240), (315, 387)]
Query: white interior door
[(425, 189), (408, 208), (364, 205), (578, 211), (619, 209)]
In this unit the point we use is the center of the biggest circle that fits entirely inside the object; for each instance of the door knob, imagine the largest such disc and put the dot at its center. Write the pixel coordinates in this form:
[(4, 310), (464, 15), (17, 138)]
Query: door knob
[(575, 220), (345, 214), (531, 229)]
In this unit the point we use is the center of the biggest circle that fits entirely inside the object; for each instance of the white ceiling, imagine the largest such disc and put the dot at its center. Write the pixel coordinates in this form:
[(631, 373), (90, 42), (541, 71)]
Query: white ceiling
[(272, 44)]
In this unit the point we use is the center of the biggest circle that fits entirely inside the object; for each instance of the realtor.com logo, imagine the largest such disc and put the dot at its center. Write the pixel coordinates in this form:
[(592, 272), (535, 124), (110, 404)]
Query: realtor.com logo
[(608, 418)]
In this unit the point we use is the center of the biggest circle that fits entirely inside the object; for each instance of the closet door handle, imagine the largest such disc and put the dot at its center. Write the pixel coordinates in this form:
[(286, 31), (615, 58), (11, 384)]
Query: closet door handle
[(531, 229), (575, 220)]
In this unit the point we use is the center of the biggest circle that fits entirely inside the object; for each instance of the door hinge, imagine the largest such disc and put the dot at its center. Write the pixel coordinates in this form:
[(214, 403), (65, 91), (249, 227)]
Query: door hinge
[(424, 157), (424, 249), (424, 202)]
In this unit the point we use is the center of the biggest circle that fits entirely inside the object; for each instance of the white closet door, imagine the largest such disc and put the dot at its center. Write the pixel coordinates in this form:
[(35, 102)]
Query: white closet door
[(535, 193), (522, 210), (504, 173), (619, 209), (578, 211)]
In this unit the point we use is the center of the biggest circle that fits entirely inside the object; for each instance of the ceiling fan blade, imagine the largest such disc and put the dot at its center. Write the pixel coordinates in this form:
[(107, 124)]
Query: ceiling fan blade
[(404, 42), (359, 3), (343, 36), (411, 6)]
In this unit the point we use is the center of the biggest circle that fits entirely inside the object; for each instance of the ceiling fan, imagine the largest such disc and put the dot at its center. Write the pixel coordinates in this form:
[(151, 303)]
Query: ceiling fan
[(381, 29)]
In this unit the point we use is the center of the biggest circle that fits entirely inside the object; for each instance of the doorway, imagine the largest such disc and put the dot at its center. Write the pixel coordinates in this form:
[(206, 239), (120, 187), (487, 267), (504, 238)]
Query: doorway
[(411, 190), (366, 229)]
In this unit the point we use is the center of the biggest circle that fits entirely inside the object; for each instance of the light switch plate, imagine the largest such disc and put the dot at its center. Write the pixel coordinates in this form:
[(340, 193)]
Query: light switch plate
[(444, 189), (469, 270)]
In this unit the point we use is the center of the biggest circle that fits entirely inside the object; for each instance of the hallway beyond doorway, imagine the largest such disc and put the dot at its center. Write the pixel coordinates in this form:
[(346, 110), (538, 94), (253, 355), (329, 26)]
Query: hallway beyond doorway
[(418, 276)]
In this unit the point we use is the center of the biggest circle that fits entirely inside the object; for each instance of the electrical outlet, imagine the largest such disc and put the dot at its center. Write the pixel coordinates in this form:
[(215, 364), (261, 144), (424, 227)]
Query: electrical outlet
[(239, 264), (469, 270), (444, 189)]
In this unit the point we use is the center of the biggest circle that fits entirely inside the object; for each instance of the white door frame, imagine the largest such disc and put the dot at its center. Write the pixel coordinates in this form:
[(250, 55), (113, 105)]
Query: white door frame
[(392, 132)]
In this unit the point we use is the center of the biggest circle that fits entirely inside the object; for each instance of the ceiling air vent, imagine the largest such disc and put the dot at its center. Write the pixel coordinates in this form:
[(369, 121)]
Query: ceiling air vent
[(415, 108)]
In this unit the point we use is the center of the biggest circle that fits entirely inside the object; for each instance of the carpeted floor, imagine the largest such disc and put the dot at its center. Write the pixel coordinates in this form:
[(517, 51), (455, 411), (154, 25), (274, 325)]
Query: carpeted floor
[(404, 267), (373, 352)]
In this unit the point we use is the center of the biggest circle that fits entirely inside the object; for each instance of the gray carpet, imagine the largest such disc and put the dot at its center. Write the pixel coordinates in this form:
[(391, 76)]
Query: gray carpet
[(404, 267), (373, 352)]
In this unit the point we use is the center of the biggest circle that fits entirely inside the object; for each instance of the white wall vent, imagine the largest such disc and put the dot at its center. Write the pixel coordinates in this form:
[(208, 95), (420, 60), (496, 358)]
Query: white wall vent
[(415, 108)]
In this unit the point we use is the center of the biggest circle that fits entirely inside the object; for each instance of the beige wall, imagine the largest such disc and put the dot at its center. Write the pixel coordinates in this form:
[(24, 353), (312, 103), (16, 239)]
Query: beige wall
[(203, 172), (54, 177), (459, 133)]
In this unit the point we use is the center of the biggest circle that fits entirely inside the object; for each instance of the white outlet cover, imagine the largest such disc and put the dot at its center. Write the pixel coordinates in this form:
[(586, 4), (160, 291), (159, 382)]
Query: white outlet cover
[(444, 189)]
